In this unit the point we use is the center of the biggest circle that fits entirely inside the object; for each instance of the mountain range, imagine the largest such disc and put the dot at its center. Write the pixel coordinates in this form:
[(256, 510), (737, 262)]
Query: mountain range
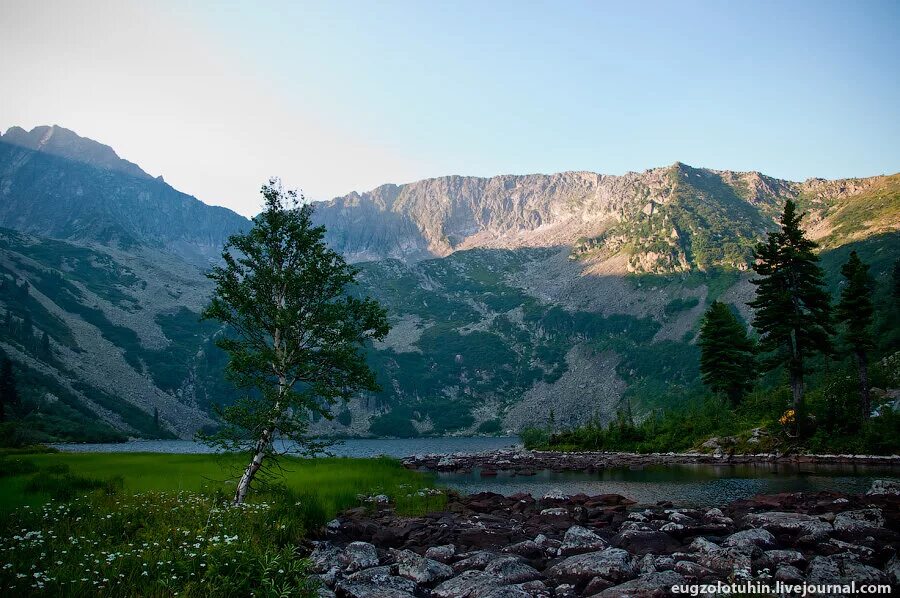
[(512, 298)]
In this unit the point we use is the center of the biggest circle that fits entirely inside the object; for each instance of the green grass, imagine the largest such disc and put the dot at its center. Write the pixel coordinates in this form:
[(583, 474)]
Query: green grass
[(162, 525), (336, 481)]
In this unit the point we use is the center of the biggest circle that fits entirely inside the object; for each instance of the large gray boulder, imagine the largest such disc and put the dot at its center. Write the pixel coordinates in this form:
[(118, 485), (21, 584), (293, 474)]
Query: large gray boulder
[(358, 555), (779, 522), (324, 557), (652, 585), (511, 570), (884, 487), (580, 539), (420, 569), (840, 569), (613, 564), (859, 521), (468, 584), (750, 537)]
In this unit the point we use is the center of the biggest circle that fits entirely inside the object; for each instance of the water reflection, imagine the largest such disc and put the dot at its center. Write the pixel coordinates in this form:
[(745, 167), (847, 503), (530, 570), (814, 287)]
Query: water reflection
[(690, 485)]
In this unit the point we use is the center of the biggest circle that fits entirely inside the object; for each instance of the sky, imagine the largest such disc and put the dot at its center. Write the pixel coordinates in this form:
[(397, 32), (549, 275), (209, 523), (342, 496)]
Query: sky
[(340, 96)]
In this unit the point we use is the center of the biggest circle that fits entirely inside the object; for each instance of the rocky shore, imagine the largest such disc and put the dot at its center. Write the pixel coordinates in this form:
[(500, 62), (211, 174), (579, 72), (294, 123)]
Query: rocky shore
[(524, 462), (490, 546)]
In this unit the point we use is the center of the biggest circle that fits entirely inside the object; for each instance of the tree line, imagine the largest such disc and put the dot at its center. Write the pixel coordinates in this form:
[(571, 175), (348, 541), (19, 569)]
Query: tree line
[(795, 321)]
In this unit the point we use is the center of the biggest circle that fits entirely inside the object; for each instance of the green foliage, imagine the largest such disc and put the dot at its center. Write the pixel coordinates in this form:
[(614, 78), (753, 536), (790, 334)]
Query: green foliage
[(491, 426), (10, 404), (396, 423), (680, 304), (297, 333), (855, 308), (705, 223), (345, 418), (727, 354), (155, 533), (533, 437), (792, 311)]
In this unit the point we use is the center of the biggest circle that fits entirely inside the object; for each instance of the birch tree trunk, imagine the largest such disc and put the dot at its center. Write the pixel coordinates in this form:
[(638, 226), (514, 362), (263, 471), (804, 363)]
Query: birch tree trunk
[(262, 446)]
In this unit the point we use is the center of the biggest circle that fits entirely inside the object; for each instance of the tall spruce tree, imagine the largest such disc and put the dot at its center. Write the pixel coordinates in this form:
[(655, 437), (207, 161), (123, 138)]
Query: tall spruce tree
[(297, 331), (727, 353), (792, 309), (855, 311)]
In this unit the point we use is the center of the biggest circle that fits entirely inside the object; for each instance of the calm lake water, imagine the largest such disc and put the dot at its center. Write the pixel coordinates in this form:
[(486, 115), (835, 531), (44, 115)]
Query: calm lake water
[(687, 485), (353, 447)]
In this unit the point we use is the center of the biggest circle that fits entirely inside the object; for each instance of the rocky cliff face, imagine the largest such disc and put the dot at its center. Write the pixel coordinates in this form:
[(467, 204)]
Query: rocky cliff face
[(662, 217)]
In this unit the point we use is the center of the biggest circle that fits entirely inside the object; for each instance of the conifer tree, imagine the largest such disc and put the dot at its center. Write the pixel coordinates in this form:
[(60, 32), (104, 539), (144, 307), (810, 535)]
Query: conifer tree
[(727, 353), (855, 311), (9, 396), (792, 309)]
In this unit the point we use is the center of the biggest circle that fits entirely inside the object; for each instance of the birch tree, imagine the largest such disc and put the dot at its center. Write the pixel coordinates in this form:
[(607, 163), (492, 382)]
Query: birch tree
[(296, 331)]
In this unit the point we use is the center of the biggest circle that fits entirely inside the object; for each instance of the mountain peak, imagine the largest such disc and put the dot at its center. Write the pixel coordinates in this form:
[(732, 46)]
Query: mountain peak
[(65, 143)]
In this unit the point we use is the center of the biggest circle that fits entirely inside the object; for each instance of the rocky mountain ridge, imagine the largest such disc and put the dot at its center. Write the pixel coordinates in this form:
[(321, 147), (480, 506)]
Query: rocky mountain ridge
[(585, 210), (56, 184), (512, 298)]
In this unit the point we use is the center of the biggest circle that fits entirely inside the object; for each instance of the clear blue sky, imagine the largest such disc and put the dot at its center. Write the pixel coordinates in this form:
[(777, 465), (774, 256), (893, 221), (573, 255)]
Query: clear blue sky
[(336, 96)]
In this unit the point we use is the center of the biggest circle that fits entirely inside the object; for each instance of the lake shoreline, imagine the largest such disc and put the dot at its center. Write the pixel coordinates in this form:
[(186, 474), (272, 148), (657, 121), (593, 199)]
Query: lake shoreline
[(573, 546), (526, 462)]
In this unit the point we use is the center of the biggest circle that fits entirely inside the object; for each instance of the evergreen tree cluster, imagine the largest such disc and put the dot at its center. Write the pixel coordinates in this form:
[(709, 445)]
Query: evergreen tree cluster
[(10, 403), (728, 354), (20, 327), (794, 319)]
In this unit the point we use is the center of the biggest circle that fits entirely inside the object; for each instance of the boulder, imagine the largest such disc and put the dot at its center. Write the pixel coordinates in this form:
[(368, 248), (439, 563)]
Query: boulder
[(786, 557), (579, 540), (525, 590), (528, 549), (751, 537), (468, 584), (779, 522), (691, 569), (859, 521), (880, 487), (324, 557), (644, 542), (613, 564), (362, 589), (511, 570), (892, 570), (441, 554), (474, 561), (788, 574), (382, 576), (358, 555), (842, 570), (652, 585), (420, 569), (737, 563)]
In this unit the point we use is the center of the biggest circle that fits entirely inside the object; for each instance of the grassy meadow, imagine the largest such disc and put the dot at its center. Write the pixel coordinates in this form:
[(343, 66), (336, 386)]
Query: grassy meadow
[(139, 524)]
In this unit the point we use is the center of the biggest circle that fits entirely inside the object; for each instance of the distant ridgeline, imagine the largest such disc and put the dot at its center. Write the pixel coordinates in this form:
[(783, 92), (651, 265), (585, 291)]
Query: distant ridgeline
[(513, 299)]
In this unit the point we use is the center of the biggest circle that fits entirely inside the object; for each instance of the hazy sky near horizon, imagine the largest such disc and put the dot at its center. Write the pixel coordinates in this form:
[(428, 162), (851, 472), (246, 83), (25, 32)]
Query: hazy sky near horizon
[(342, 96)]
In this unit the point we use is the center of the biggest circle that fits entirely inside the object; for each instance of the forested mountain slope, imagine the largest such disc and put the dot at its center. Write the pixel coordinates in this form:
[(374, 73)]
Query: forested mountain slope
[(513, 299)]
